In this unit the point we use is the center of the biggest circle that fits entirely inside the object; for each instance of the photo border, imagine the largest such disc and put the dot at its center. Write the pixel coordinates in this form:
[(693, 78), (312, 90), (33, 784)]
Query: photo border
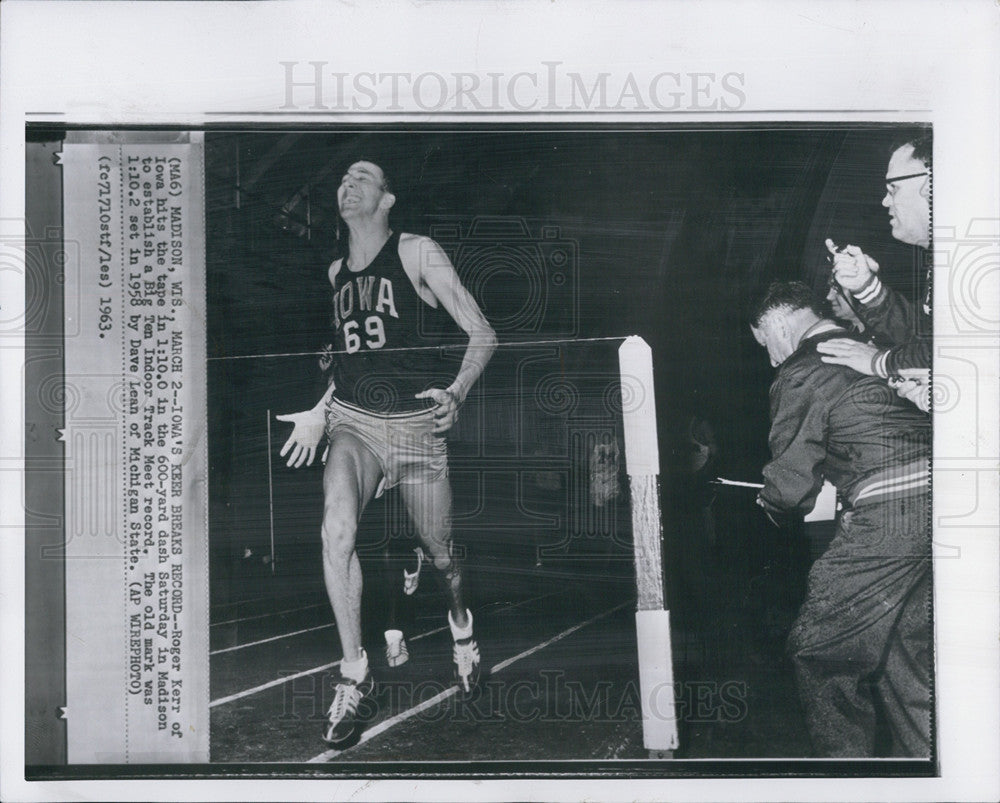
[(959, 90)]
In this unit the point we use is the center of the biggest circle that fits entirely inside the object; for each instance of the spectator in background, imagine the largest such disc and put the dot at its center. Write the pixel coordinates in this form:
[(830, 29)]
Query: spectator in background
[(842, 309), (690, 549)]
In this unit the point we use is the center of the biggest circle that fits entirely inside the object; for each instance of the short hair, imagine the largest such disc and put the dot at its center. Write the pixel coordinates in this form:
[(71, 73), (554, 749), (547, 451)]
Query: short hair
[(790, 295), (923, 148)]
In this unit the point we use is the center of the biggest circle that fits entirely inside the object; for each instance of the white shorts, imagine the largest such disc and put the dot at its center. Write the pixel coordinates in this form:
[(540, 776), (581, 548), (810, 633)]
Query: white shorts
[(405, 445)]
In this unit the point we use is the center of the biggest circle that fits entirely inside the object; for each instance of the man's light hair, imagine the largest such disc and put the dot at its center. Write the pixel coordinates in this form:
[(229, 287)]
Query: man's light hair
[(787, 296)]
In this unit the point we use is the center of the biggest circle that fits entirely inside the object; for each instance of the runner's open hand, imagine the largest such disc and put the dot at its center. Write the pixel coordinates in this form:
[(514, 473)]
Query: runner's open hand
[(306, 435)]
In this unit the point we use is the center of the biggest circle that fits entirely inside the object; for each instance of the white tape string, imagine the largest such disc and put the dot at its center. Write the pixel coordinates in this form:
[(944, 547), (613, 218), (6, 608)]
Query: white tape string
[(440, 346)]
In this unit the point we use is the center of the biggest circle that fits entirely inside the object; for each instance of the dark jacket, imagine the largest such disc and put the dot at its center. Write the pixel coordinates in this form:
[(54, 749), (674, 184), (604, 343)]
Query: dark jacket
[(894, 319), (830, 422)]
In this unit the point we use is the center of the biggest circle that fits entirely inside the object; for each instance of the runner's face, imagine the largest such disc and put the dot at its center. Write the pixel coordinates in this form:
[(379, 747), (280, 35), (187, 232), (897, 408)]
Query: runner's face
[(908, 201), (362, 191)]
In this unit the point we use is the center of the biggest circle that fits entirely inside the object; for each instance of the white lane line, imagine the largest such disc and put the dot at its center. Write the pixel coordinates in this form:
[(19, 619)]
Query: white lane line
[(504, 664), (265, 615), (331, 624), (385, 724), (279, 681), (272, 638), (428, 633), (409, 713), (508, 607), (270, 684)]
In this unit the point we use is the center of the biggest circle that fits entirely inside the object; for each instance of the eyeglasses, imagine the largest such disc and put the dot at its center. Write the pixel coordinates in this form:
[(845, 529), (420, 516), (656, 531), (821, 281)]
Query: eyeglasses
[(890, 182), (833, 284)]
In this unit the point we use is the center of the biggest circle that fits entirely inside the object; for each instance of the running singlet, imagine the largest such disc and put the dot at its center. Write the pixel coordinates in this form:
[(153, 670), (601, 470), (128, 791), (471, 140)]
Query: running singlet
[(375, 313)]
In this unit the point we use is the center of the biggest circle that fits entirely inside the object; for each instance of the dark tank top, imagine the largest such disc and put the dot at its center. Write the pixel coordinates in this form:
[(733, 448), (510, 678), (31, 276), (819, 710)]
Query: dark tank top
[(386, 337)]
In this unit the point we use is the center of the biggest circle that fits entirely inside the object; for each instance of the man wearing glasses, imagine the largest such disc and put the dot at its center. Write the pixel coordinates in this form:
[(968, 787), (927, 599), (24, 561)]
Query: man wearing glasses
[(886, 312), (843, 307)]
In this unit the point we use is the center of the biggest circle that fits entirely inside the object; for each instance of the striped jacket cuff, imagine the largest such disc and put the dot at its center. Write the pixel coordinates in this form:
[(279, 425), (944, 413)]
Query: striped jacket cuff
[(879, 369), (870, 292)]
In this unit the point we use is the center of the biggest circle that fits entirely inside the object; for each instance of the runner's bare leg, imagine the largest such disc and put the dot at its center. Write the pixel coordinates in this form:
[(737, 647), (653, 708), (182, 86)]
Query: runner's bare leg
[(349, 482), (429, 506)]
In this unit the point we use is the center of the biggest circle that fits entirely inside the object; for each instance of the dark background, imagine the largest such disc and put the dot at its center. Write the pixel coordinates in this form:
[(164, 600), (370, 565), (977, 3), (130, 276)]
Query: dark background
[(562, 234)]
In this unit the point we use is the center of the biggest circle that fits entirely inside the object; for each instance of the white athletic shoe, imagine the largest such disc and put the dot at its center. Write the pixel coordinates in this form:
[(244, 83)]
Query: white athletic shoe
[(466, 656), (411, 580), (396, 651), (351, 708)]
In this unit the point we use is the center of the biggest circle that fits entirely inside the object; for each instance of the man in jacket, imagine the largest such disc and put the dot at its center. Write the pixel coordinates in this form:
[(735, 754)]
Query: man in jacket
[(862, 636), (886, 313)]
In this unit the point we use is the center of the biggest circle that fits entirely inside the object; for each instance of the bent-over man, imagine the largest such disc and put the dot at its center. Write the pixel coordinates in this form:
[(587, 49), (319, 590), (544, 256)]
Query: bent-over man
[(862, 639)]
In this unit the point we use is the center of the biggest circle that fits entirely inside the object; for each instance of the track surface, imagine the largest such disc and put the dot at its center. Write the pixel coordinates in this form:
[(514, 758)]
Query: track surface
[(563, 681)]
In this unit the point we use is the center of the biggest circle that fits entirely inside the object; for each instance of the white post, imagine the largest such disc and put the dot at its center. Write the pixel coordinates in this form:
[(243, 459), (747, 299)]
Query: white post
[(642, 461), (270, 488)]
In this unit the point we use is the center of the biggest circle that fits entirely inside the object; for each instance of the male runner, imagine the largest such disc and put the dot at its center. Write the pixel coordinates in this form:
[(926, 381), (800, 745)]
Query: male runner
[(385, 413)]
